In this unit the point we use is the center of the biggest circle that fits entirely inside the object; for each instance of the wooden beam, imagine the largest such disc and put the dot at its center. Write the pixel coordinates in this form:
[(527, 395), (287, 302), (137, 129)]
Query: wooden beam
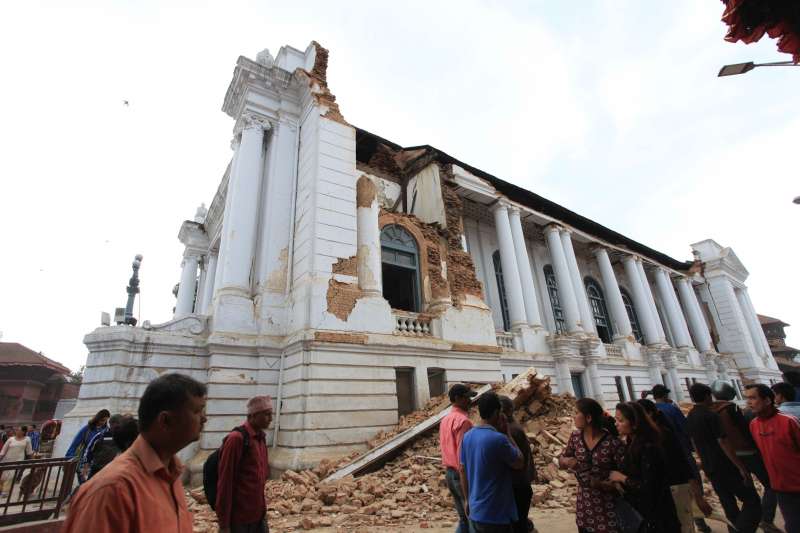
[(374, 456)]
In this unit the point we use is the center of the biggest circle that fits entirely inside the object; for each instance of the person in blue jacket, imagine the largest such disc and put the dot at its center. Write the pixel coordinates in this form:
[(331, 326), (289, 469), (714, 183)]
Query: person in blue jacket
[(82, 438)]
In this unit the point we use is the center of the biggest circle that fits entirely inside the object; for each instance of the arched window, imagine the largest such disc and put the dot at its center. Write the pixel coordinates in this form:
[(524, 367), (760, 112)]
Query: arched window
[(637, 330), (599, 310), (400, 268), (555, 303), (501, 288)]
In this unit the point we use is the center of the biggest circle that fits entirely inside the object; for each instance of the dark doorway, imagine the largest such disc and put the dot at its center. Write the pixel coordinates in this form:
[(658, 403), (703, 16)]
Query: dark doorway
[(577, 385), (405, 390), (400, 287), (436, 381)]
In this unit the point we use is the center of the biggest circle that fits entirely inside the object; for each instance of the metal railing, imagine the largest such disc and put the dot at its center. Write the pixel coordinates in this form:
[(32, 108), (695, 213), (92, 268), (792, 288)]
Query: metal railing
[(505, 341), (412, 325), (34, 489)]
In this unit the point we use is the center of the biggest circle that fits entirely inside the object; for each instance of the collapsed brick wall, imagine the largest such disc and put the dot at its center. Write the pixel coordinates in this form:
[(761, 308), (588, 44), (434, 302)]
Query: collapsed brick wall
[(460, 268), (318, 82)]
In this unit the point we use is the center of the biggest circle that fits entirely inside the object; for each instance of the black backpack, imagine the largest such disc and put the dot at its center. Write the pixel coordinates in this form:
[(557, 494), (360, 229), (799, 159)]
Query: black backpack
[(211, 467)]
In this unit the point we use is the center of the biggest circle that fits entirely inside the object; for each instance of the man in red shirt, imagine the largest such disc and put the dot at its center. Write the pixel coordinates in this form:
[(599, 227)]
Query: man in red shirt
[(778, 437), (451, 432), (240, 502)]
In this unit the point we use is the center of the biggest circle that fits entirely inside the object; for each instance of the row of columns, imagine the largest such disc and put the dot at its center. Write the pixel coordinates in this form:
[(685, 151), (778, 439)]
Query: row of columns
[(195, 293), (229, 272), (578, 317)]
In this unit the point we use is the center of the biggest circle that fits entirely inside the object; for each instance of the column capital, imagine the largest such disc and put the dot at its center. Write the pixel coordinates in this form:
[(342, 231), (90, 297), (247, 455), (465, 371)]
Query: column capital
[(550, 228), (252, 121), (500, 205), (598, 249), (513, 210)]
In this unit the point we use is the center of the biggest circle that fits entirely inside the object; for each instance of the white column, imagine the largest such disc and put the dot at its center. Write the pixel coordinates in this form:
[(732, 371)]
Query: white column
[(643, 311), (524, 267), (679, 331), (368, 238), (208, 288), (651, 302), (750, 319), (675, 382), (594, 379), (616, 306), (188, 285), (587, 318), (240, 223), (508, 260), (564, 377), (566, 293), (234, 305), (711, 369), (697, 323)]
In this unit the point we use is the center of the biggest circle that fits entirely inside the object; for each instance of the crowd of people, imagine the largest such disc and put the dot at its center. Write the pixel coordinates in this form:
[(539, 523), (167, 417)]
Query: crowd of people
[(635, 471), (131, 477)]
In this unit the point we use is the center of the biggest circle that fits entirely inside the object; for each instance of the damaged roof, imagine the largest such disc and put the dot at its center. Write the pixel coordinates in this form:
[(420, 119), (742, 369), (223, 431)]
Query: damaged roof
[(367, 144)]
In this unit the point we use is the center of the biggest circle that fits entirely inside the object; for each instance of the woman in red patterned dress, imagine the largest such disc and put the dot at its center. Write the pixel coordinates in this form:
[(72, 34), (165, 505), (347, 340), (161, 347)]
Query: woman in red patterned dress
[(591, 454)]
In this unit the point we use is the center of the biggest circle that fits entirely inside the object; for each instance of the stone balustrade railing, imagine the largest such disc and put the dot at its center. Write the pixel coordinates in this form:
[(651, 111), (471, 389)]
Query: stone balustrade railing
[(612, 350), (505, 341), (412, 325)]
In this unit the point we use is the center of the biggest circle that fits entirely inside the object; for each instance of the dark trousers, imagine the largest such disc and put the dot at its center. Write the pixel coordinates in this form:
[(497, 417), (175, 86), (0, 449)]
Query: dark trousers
[(483, 527), (256, 527), (769, 502), (522, 498), (730, 486), (454, 484), (790, 509)]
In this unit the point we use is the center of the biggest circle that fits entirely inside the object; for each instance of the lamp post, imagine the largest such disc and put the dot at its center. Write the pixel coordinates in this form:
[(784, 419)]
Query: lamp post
[(133, 290), (742, 68)]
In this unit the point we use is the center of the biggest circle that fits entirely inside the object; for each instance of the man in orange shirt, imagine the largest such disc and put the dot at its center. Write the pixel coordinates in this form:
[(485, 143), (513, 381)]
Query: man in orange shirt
[(451, 432), (141, 490)]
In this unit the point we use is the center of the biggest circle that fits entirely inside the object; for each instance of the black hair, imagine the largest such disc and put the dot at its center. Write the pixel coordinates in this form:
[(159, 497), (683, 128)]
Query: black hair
[(488, 405), (785, 390), (792, 377), (643, 431), (115, 419), (24, 429), (506, 404), (763, 391), (590, 408), (169, 392), (125, 433), (101, 414), (650, 408), (699, 392)]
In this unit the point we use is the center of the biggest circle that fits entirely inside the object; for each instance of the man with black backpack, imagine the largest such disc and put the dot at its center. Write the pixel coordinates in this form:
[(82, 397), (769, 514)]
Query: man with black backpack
[(242, 471)]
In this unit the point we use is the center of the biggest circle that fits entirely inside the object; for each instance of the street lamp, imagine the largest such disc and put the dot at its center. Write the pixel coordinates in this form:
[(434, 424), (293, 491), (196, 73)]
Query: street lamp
[(741, 68)]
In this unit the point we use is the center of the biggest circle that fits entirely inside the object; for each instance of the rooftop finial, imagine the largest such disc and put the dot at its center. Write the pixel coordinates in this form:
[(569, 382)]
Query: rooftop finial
[(200, 214), (265, 58)]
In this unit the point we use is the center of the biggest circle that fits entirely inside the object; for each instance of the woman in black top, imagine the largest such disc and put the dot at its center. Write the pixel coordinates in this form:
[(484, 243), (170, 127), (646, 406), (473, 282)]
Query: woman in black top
[(643, 473)]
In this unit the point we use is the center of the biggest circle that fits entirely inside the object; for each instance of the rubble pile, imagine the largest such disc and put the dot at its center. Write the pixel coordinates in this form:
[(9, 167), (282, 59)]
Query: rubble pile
[(410, 489)]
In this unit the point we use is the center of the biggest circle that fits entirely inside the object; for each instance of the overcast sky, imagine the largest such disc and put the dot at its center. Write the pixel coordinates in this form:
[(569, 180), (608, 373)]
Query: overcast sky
[(611, 108)]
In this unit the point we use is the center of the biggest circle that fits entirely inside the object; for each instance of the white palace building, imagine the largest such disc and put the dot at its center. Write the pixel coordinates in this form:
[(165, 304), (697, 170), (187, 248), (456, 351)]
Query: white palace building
[(352, 278)]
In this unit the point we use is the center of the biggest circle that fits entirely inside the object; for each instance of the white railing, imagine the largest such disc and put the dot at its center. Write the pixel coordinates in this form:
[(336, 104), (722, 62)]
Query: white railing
[(612, 350), (412, 325), (505, 340)]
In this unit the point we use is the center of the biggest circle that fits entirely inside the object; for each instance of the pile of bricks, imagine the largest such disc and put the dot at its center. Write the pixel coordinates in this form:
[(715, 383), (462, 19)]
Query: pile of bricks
[(410, 489)]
